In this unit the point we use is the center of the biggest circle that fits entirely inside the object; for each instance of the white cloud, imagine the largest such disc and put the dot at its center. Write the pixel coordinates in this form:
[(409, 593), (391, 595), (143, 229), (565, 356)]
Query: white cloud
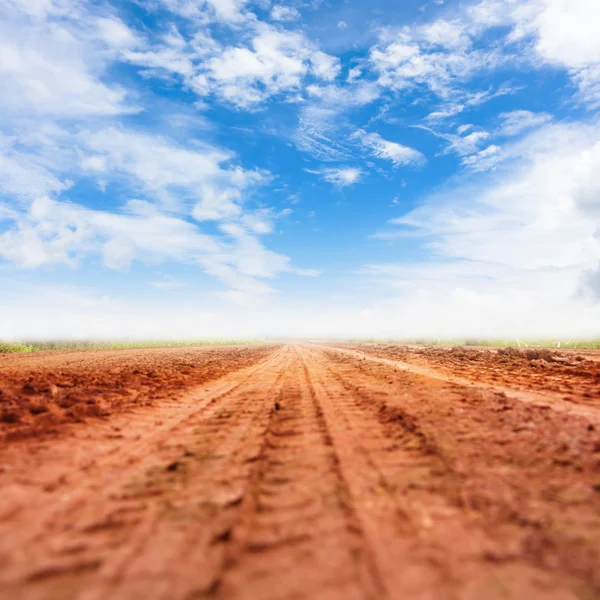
[(354, 73), (285, 13), (444, 54), (227, 11), (516, 247), (485, 159), (317, 133), (324, 66), (174, 174), (464, 99), (518, 121), (407, 59), (340, 176), (56, 68), (342, 25), (94, 163), (398, 154), (564, 34), (460, 144), (51, 232), (275, 62), (445, 34), (24, 174)]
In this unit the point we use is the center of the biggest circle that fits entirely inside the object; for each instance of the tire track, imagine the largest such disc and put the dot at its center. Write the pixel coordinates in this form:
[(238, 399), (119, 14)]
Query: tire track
[(313, 474), (552, 400), (388, 523), (298, 536), (174, 477), (459, 492)]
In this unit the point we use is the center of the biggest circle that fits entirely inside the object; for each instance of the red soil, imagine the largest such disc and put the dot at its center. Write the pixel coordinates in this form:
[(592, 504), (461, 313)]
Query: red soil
[(302, 472), (40, 392)]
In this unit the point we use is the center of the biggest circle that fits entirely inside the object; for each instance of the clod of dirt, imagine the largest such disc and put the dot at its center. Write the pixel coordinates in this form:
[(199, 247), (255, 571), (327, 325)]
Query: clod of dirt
[(37, 408), (509, 351), (173, 466), (539, 363), (9, 416)]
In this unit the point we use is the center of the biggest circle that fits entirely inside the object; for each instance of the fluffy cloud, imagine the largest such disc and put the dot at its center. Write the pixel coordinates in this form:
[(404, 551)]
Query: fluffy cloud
[(274, 63), (519, 245), (442, 55), (406, 61), (55, 67), (54, 60), (270, 63), (175, 175), (563, 33), (51, 232)]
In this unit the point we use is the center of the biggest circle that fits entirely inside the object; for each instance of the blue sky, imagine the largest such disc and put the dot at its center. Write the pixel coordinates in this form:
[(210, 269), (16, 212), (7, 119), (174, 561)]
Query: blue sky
[(211, 168)]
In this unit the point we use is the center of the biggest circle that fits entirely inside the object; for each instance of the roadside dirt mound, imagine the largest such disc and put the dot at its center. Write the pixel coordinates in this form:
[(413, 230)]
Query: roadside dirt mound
[(573, 375), (38, 393)]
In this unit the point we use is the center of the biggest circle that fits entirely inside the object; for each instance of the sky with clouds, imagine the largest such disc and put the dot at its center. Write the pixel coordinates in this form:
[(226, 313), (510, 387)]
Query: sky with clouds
[(209, 168)]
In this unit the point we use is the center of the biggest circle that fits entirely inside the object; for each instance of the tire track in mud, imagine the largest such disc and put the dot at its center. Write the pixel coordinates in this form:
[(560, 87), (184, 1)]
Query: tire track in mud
[(375, 465), (552, 400), (187, 476), (299, 535), (533, 538)]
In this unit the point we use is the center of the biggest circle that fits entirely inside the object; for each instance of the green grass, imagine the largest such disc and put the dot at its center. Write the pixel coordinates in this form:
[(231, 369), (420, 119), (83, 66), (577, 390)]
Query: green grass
[(502, 343), (7, 347), (44, 346)]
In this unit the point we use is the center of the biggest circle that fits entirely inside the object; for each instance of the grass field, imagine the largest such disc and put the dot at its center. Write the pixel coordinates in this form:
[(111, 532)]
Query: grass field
[(499, 343), (44, 346)]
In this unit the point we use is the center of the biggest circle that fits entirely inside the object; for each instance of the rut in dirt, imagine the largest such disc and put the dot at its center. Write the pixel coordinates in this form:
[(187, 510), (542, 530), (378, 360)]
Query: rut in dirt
[(308, 472)]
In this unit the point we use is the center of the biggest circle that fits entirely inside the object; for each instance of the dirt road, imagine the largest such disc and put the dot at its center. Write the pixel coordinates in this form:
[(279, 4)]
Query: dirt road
[(300, 471)]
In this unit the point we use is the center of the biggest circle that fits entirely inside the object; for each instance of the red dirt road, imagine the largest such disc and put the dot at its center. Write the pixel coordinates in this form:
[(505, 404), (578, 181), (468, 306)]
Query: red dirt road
[(300, 471)]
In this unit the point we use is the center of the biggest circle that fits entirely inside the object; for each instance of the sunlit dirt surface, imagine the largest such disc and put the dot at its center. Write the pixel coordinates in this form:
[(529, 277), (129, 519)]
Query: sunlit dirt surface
[(300, 471)]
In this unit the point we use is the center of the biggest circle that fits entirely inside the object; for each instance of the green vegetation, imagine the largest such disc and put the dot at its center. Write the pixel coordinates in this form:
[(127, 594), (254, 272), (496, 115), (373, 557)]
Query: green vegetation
[(42, 346), (500, 343), (6, 347)]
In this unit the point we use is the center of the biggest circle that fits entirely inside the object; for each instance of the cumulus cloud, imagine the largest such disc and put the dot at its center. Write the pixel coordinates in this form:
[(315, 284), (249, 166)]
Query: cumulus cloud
[(563, 33), (275, 62)]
